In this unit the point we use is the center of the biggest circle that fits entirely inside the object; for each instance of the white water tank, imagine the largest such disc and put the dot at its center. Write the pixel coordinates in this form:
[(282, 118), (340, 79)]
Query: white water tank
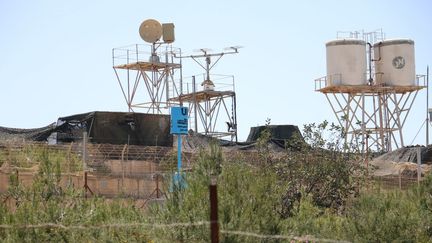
[(346, 62), (394, 62)]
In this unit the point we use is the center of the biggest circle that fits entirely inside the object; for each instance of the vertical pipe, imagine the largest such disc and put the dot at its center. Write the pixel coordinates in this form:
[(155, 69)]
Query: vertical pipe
[(370, 64), (427, 106), (214, 224), (167, 86), (85, 184), (380, 117), (181, 74), (363, 126), (179, 165), (195, 103), (128, 82), (375, 122), (397, 119), (84, 151), (347, 120), (367, 155), (418, 164), (235, 117), (136, 50), (113, 56), (208, 61)]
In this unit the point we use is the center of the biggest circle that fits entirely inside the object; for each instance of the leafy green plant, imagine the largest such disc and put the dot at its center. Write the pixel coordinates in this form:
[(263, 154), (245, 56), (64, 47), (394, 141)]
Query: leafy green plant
[(319, 169), (46, 203), (248, 198), (311, 190), (31, 155), (390, 217)]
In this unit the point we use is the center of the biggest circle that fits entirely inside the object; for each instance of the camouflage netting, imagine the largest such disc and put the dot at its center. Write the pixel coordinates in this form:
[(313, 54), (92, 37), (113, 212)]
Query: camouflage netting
[(116, 128), (36, 134), (403, 161), (279, 135), (408, 154), (101, 127)]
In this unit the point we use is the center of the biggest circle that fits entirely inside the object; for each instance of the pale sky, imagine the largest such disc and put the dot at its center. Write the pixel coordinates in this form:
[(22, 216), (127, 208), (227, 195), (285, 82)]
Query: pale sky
[(56, 55)]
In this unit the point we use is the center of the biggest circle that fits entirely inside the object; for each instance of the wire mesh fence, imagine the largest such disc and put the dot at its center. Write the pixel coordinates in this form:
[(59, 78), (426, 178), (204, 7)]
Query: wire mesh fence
[(123, 170), (132, 172), (111, 170)]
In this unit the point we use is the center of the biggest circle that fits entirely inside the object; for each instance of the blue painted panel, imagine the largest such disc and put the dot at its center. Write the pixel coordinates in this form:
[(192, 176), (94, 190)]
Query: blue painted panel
[(179, 120)]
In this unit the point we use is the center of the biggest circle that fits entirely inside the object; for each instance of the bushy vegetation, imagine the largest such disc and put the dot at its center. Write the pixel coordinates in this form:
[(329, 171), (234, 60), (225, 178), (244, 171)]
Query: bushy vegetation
[(313, 189), (31, 155), (46, 202)]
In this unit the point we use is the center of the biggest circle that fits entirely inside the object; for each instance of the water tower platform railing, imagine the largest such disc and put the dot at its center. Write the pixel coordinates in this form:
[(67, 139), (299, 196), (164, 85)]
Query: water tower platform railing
[(223, 84), (321, 85), (139, 56)]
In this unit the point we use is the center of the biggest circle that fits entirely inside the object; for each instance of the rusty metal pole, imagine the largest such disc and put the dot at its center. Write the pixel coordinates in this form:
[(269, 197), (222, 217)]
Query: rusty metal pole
[(84, 161), (214, 224), (85, 184)]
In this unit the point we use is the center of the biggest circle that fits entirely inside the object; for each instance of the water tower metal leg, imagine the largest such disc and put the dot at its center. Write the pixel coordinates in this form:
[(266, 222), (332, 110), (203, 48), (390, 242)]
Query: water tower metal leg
[(374, 116), (363, 126)]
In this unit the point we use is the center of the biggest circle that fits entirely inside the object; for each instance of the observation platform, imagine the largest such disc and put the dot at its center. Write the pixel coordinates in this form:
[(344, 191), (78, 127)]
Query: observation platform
[(148, 66), (141, 58), (323, 85), (368, 89), (202, 96)]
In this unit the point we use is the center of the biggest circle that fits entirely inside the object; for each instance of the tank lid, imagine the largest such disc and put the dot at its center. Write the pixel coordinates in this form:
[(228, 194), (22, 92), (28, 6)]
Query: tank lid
[(394, 42), (345, 42)]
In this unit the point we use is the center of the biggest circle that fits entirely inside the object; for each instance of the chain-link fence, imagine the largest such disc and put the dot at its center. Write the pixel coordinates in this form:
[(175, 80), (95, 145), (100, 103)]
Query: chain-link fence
[(102, 169), (124, 170)]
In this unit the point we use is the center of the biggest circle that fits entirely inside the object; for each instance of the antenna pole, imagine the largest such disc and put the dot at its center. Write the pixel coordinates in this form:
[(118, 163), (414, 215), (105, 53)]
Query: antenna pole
[(195, 103), (208, 61), (427, 106)]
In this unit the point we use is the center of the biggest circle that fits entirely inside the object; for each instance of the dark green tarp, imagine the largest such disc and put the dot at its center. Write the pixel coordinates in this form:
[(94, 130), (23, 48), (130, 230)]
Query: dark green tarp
[(279, 133), (34, 134), (116, 128)]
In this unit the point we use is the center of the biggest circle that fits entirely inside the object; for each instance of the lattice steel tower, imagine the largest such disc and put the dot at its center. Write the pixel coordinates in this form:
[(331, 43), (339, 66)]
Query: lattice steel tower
[(214, 102), (147, 73)]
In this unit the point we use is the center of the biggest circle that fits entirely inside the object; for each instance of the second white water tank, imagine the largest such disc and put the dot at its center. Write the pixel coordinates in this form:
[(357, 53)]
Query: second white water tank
[(394, 62), (346, 62)]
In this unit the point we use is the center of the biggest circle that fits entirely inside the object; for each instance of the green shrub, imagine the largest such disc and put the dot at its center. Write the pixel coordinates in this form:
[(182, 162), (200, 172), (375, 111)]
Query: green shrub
[(320, 169), (46, 202), (248, 200), (393, 216)]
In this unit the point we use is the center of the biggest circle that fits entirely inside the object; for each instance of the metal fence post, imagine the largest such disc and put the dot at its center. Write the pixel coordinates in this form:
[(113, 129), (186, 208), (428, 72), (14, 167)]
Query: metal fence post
[(84, 151), (157, 186), (418, 165), (84, 159), (214, 224), (85, 184), (122, 167)]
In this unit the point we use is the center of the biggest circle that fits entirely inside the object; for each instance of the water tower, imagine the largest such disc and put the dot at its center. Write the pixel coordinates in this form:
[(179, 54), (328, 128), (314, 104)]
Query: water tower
[(371, 86), (147, 73)]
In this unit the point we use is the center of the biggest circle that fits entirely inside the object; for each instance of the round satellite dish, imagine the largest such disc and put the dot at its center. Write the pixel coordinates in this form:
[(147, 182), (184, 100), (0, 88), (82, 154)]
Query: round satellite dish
[(150, 30)]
